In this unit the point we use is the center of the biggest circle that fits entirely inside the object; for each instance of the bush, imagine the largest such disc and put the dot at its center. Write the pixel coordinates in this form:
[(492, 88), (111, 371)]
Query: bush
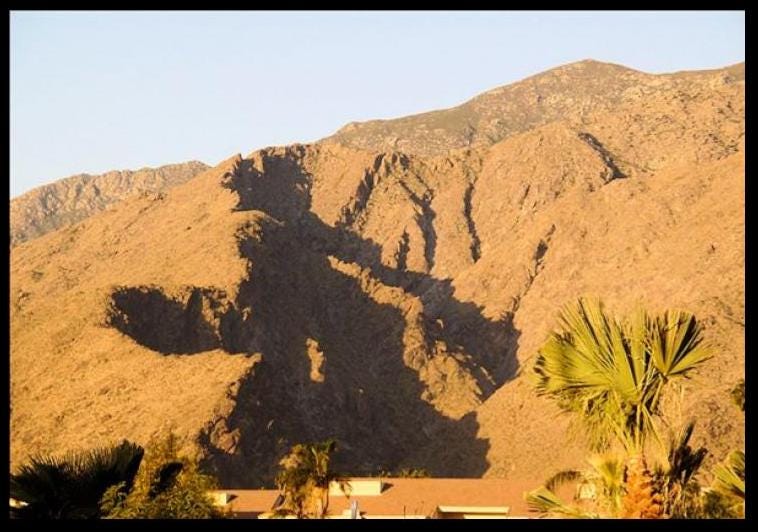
[(167, 486), (304, 480), (738, 394), (413, 472)]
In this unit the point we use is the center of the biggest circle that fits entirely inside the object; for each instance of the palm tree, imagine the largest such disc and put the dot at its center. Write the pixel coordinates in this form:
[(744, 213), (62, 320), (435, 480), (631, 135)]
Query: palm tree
[(70, 487), (304, 479), (613, 374), (602, 490)]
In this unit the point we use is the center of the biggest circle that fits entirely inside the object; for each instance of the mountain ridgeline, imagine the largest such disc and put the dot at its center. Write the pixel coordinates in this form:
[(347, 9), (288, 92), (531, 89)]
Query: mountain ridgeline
[(71, 200)]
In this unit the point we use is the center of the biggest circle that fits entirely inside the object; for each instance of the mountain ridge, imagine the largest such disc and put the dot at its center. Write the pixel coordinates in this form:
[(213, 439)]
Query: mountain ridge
[(75, 198), (476, 121)]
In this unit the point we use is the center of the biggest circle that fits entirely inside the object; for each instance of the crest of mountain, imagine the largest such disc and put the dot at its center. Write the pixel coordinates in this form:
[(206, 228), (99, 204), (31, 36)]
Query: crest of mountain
[(571, 92), (73, 199), (394, 298)]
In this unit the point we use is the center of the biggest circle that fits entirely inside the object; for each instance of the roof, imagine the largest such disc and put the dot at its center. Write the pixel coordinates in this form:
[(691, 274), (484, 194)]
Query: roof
[(406, 497)]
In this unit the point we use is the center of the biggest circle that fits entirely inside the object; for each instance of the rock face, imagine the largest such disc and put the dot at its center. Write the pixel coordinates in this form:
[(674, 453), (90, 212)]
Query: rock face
[(78, 197), (393, 298)]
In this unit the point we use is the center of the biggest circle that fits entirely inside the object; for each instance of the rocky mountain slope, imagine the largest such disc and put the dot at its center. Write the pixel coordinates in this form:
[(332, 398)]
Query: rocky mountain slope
[(393, 297), (70, 200), (571, 92)]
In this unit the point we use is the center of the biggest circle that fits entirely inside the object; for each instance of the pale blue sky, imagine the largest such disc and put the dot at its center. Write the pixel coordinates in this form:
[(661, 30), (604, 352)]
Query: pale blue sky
[(98, 91)]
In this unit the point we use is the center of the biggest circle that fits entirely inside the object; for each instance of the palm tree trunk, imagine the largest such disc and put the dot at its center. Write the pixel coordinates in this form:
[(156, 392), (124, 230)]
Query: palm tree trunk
[(642, 500)]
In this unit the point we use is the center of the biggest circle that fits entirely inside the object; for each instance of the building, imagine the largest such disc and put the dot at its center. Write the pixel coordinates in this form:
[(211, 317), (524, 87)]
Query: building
[(401, 498)]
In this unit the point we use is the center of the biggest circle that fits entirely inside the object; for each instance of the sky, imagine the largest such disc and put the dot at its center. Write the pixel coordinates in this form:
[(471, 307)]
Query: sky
[(97, 91)]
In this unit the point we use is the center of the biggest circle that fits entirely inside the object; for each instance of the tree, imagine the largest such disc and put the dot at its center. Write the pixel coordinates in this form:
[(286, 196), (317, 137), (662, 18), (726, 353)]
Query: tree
[(642, 500), (70, 487), (612, 374), (168, 486), (603, 492), (304, 480)]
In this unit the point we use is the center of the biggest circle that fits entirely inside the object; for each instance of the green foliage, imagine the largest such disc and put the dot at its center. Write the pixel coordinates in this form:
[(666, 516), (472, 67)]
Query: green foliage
[(599, 490), (716, 505), (546, 502), (676, 478), (729, 481), (612, 373), (413, 472), (607, 480), (563, 477), (738, 394), (406, 472), (304, 480), (167, 486), (70, 487)]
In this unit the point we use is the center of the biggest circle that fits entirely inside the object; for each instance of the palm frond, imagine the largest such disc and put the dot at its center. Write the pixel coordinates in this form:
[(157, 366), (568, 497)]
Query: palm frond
[(609, 469), (607, 477), (72, 485), (612, 373), (683, 461), (730, 475), (676, 343), (546, 502), (561, 478)]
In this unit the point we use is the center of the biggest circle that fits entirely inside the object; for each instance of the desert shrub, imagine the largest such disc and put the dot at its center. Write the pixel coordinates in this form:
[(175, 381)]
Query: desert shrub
[(738, 394), (404, 472), (413, 472), (167, 486)]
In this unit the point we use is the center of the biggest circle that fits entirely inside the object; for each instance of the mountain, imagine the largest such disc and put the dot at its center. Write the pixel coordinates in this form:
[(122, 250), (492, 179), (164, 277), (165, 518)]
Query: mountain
[(394, 297), (78, 197), (572, 92)]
